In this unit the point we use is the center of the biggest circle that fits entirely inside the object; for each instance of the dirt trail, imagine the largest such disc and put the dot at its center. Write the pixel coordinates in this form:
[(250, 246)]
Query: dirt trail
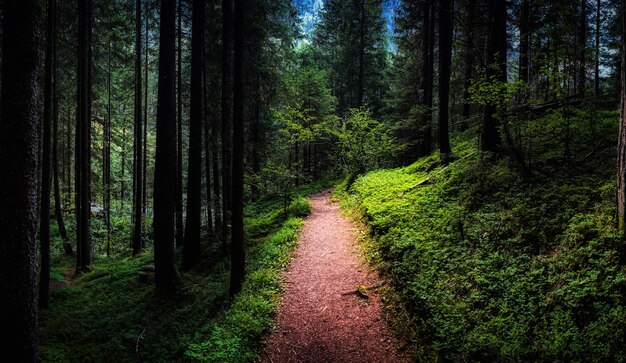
[(317, 320)]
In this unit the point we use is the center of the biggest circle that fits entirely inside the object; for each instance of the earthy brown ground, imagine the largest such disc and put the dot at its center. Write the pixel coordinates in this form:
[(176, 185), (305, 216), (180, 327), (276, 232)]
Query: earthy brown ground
[(319, 319)]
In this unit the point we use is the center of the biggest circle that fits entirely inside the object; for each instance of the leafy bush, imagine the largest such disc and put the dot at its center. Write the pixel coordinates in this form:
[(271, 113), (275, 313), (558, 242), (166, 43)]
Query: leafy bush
[(489, 267)]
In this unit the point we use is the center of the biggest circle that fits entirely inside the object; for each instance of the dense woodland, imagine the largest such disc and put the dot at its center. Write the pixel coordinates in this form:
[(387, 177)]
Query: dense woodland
[(156, 156)]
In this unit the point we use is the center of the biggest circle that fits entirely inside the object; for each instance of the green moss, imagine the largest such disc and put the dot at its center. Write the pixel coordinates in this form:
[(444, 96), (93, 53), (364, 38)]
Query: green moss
[(489, 266), (112, 314)]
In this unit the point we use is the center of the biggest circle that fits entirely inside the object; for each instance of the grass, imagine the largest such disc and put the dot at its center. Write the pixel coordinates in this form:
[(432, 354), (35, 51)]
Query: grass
[(112, 313), (489, 266)]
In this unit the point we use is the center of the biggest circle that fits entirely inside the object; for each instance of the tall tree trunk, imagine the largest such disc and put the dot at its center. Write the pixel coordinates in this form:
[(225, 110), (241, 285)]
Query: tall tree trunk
[(445, 60), (83, 172), (238, 258), (166, 274), (428, 44), (621, 145), (138, 167), (145, 115), (596, 80), (468, 61), (582, 51), (19, 120), (524, 44), (107, 157), (179, 133), (58, 208), (207, 143), (191, 248), (227, 138), (496, 69), (361, 53), (44, 210)]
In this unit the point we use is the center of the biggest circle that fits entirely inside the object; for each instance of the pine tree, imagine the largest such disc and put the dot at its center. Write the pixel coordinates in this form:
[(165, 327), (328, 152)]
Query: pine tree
[(19, 120)]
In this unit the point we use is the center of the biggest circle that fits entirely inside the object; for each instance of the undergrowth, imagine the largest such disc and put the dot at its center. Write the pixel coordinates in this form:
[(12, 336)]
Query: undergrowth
[(489, 266), (112, 313)]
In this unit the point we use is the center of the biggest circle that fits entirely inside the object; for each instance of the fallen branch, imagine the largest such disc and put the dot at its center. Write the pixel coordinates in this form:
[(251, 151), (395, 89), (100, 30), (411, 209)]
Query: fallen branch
[(361, 290), (427, 180)]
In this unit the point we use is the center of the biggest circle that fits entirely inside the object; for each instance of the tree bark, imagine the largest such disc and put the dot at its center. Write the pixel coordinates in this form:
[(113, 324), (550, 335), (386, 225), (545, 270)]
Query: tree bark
[(596, 83), (107, 157), (19, 120), (179, 133), (58, 207), (469, 57), (138, 167), (621, 145), (582, 51), (524, 44), (496, 69), (361, 53), (227, 139), (191, 248), (428, 45), (83, 132), (238, 259), (166, 274), (44, 210), (445, 60)]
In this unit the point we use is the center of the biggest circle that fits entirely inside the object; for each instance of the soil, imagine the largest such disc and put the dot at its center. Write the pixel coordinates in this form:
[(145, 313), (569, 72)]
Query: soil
[(323, 317)]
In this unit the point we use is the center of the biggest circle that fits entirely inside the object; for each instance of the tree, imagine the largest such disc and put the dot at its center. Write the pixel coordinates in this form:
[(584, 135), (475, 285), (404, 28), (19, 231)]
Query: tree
[(19, 119), (496, 70), (166, 274), (621, 145), (44, 209), (596, 80), (227, 79), (445, 60), (524, 44), (582, 49), (191, 248), (179, 131), (83, 137), (238, 258), (428, 51), (138, 168)]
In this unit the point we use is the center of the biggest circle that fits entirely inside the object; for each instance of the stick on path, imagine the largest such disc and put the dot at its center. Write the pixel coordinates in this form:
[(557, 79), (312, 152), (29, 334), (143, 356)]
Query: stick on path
[(318, 321)]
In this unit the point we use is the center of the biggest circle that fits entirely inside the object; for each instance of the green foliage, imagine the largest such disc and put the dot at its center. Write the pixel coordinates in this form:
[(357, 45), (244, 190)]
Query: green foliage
[(111, 313), (363, 143), (487, 267), (234, 335)]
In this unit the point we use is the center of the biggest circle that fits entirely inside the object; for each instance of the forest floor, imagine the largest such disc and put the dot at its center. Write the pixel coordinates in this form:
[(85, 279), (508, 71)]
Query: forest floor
[(330, 311)]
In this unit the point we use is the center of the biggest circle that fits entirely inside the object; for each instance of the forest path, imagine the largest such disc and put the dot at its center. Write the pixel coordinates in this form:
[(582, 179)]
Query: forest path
[(319, 319)]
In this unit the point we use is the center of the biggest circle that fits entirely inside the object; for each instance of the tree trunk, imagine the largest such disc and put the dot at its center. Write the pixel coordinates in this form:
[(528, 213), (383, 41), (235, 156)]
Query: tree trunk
[(44, 210), (179, 133), (107, 157), (227, 75), (238, 258), (582, 51), (496, 69), (445, 60), (145, 116), (621, 145), (83, 132), (138, 167), (19, 117), (361, 53), (166, 274), (596, 83), (469, 57), (428, 44), (191, 248), (58, 208), (524, 44)]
